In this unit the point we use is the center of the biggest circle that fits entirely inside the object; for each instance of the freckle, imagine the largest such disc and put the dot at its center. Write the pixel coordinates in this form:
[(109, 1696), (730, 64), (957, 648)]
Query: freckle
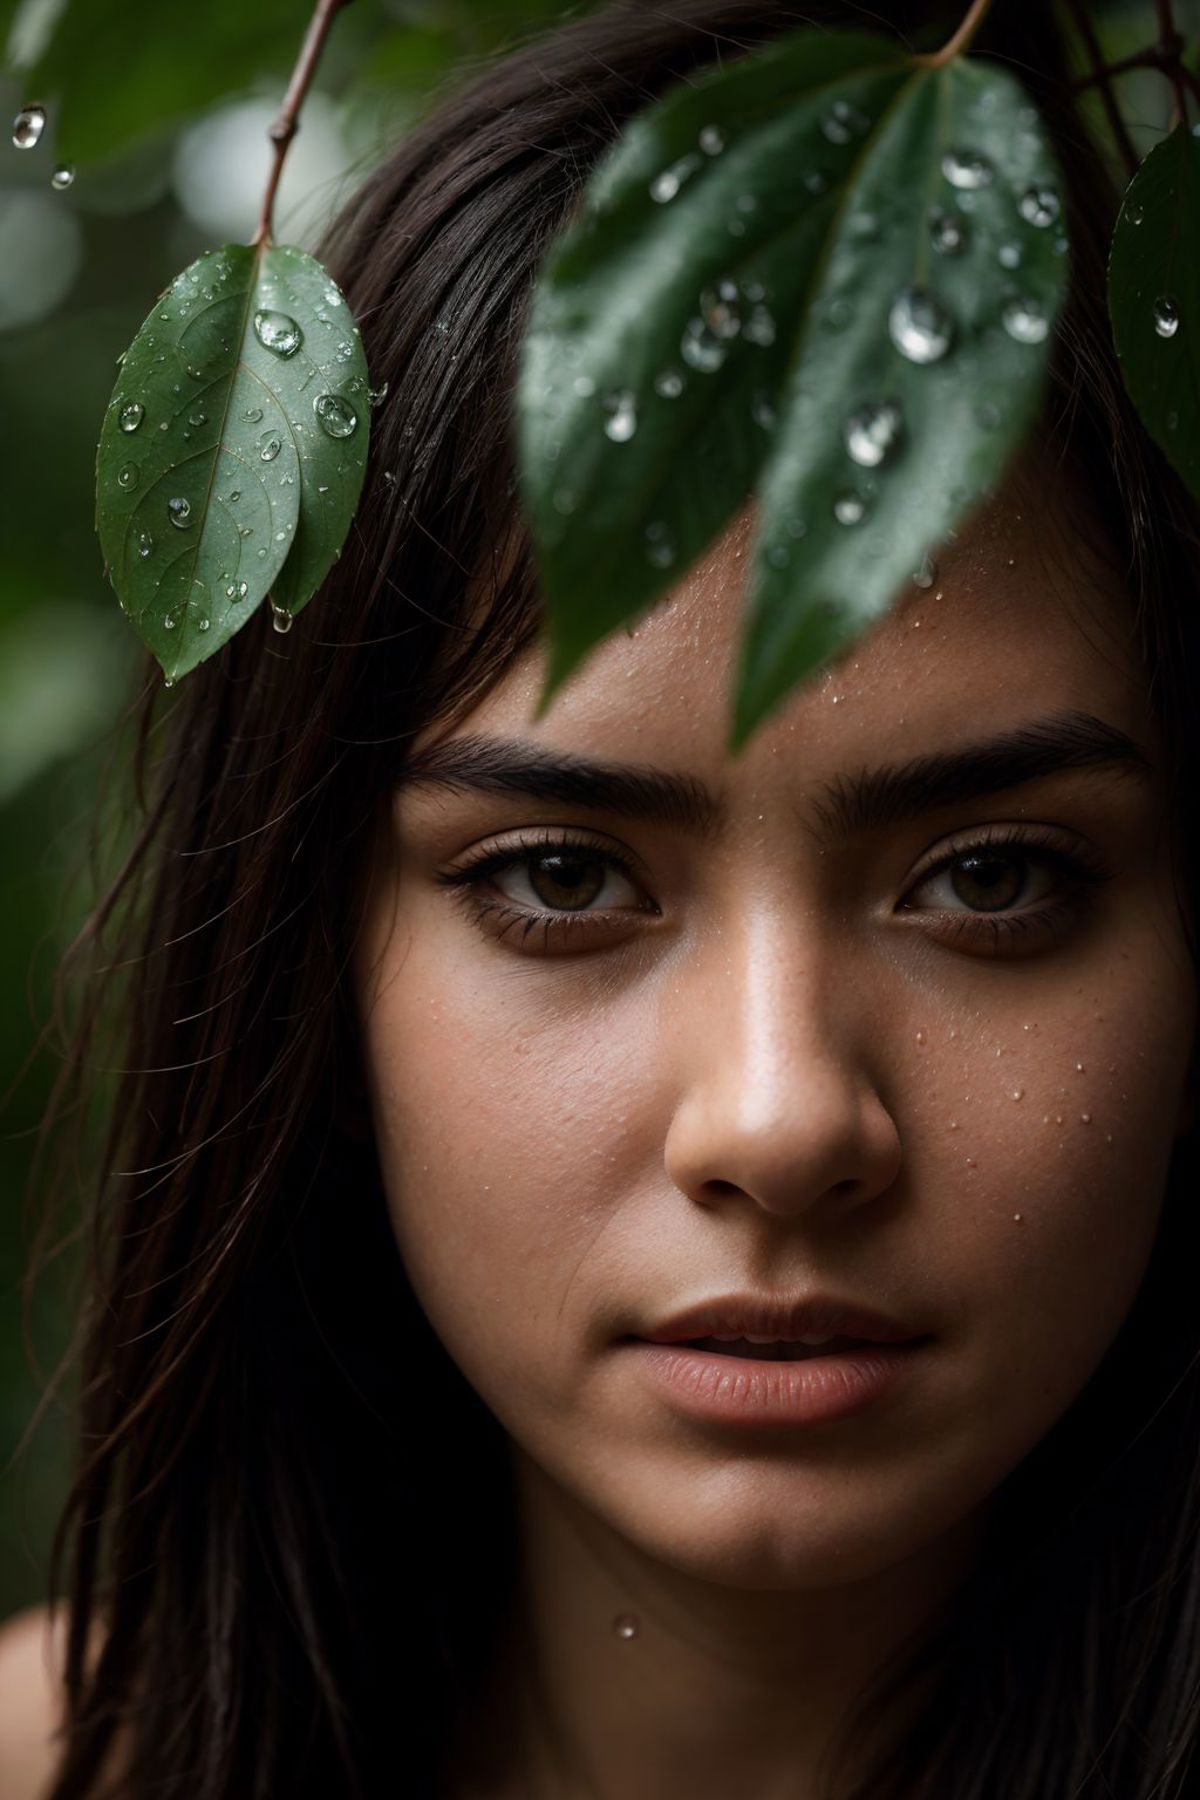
[(1085, 1118)]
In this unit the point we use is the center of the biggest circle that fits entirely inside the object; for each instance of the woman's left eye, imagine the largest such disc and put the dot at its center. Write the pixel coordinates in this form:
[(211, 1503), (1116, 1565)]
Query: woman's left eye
[(991, 880), (559, 888), (565, 880), (1010, 894)]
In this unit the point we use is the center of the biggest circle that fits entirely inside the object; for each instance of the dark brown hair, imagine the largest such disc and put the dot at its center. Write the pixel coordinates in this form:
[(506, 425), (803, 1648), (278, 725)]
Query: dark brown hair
[(300, 1560)]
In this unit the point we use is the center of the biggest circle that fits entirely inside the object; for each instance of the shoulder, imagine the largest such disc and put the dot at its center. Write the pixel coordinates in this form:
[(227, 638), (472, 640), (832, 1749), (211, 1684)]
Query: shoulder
[(32, 1652)]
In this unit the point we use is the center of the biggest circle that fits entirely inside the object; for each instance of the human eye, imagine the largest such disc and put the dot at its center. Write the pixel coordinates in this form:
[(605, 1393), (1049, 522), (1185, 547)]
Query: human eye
[(1007, 890), (555, 891)]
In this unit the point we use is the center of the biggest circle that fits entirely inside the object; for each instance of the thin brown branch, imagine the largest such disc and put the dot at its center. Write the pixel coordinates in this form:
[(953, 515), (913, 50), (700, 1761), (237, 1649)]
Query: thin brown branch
[(1102, 78), (961, 38), (286, 125), (1170, 45)]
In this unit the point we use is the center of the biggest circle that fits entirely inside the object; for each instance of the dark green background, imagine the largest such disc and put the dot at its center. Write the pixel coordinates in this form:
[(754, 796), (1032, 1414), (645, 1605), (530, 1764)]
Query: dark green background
[(78, 273)]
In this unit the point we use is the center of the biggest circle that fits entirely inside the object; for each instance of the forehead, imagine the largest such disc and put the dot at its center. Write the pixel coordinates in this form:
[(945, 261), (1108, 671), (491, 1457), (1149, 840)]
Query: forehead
[(1028, 615)]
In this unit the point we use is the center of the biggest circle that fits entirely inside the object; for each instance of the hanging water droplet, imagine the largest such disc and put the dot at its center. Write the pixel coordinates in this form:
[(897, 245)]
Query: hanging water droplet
[(1039, 205), (849, 508), (967, 169), (919, 326), (281, 618), (926, 574), (377, 396), (668, 182), (670, 384), (700, 349), (198, 418), (145, 543), (1009, 256), (269, 446), (336, 418), (711, 141), (237, 590), (1025, 321), (659, 549), (62, 176), (179, 511), (131, 415), (948, 231), (28, 126), (1166, 316), (873, 432), (253, 414), (621, 422), (277, 332), (127, 476)]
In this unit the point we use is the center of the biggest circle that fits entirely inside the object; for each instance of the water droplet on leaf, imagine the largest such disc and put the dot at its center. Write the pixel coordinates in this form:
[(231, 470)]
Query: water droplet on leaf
[(1025, 321), (849, 508), (237, 590), (621, 422), (179, 511), (660, 551), (277, 332), (281, 618), (145, 543), (721, 309), (920, 326), (28, 126), (967, 169), (127, 476), (131, 415), (700, 349), (198, 418), (669, 384), (668, 182), (62, 177), (711, 141), (1009, 256), (253, 414), (1166, 316), (1039, 205), (336, 418), (873, 432), (269, 446), (948, 231)]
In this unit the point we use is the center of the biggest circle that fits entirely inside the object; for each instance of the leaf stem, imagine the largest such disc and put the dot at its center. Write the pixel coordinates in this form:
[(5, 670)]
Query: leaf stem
[(1170, 45), (960, 40), (285, 127), (1101, 75)]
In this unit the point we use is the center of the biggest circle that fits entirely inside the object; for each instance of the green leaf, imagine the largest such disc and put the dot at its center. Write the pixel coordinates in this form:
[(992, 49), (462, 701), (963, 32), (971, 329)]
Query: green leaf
[(233, 449), (721, 310), (1154, 297)]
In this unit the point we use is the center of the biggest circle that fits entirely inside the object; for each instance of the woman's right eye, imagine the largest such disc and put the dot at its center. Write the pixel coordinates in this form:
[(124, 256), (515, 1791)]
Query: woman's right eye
[(565, 880)]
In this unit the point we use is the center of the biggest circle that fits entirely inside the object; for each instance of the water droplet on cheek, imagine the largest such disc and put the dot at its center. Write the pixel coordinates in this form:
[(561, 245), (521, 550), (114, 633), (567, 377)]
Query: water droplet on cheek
[(626, 1626)]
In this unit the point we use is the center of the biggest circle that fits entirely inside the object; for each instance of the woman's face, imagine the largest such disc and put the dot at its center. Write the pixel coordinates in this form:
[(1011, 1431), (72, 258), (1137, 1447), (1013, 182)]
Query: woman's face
[(907, 1023)]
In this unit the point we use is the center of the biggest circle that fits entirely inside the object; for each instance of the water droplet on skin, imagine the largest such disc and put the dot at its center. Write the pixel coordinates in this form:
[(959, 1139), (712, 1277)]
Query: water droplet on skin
[(948, 232), (919, 326), (621, 422), (1009, 256), (721, 309), (660, 551), (253, 414), (670, 384), (849, 508), (179, 511), (269, 446), (277, 332), (335, 416), (873, 432), (145, 543), (1018, 1093), (966, 169), (62, 177), (668, 182), (1166, 316), (1039, 205), (1025, 321), (625, 1625), (28, 126), (127, 476), (711, 141), (281, 618), (131, 415), (1018, 1217)]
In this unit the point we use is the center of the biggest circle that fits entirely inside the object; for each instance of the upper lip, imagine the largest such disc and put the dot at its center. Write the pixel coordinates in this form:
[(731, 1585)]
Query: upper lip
[(752, 1315)]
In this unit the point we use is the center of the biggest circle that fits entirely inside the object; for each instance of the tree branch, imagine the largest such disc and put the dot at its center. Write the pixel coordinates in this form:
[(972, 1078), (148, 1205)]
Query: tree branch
[(286, 125)]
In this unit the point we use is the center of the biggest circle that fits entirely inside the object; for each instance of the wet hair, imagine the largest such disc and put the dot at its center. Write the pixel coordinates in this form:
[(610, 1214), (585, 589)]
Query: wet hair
[(289, 1550)]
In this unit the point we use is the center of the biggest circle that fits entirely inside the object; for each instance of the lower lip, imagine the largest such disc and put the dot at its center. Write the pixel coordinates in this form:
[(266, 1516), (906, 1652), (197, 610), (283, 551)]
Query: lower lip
[(745, 1390)]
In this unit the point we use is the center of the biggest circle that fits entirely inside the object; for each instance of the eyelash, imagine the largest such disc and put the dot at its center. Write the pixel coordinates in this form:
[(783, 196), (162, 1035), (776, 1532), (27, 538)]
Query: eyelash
[(1080, 873)]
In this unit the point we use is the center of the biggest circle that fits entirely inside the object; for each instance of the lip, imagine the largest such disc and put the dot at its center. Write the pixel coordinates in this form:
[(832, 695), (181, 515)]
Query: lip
[(758, 1316), (741, 1391)]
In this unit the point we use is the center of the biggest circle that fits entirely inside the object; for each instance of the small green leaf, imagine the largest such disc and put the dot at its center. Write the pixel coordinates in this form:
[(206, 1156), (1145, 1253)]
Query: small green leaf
[(723, 318), (1154, 297), (233, 450)]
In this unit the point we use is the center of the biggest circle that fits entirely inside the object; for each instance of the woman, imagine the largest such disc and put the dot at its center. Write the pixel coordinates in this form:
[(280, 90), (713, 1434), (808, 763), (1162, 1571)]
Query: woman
[(473, 1062)]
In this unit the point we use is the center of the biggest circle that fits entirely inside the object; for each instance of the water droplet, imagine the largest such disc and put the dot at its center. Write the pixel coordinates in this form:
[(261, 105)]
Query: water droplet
[(28, 126), (1025, 321), (169, 681), (202, 624), (253, 414), (269, 446), (988, 414), (237, 590), (759, 327), (344, 352), (62, 177), (625, 1625), (1172, 421), (145, 543), (322, 490), (198, 418), (721, 309), (711, 141), (278, 332), (131, 415), (332, 297), (948, 231), (1009, 256), (1135, 213), (967, 169), (1018, 1093), (659, 549), (261, 553), (779, 556), (335, 416), (245, 531), (377, 396), (668, 182), (169, 622), (565, 501), (670, 384), (281, 618), (127, 476), (179, 511), (1166, 316), (926, 574), (1039, 205), (873, 432), (919, 326), (815, 182), (700, 348), (849, 508), (763, 412), (843, 122), (621, 422)]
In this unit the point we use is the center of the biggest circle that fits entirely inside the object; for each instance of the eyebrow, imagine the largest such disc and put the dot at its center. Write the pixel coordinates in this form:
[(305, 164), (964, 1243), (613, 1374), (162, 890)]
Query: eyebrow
[(850, 806)]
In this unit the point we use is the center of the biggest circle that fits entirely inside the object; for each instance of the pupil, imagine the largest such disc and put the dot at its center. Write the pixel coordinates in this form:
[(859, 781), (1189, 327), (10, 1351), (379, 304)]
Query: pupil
[(988, 883), (570, 881)]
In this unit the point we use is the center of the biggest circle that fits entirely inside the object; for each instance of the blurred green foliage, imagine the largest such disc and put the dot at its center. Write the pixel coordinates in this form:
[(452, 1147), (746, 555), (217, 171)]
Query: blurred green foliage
[(164, 119)]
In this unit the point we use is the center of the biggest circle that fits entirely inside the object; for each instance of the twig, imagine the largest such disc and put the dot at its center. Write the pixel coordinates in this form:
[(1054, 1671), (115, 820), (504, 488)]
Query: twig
[(285, 126), (1171, 45), (960, 40), (1125, 144)]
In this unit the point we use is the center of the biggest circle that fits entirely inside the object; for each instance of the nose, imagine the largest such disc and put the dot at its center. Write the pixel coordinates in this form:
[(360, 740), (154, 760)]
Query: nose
[(771, 1050)]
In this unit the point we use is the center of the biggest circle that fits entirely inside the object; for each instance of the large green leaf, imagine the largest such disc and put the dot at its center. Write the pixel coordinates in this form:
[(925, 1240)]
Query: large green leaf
[(233, 450), (749, 298), (1154, 297)]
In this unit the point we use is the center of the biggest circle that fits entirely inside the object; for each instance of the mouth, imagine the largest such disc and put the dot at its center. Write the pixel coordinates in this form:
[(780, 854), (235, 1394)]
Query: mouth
[(778, 1349)]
